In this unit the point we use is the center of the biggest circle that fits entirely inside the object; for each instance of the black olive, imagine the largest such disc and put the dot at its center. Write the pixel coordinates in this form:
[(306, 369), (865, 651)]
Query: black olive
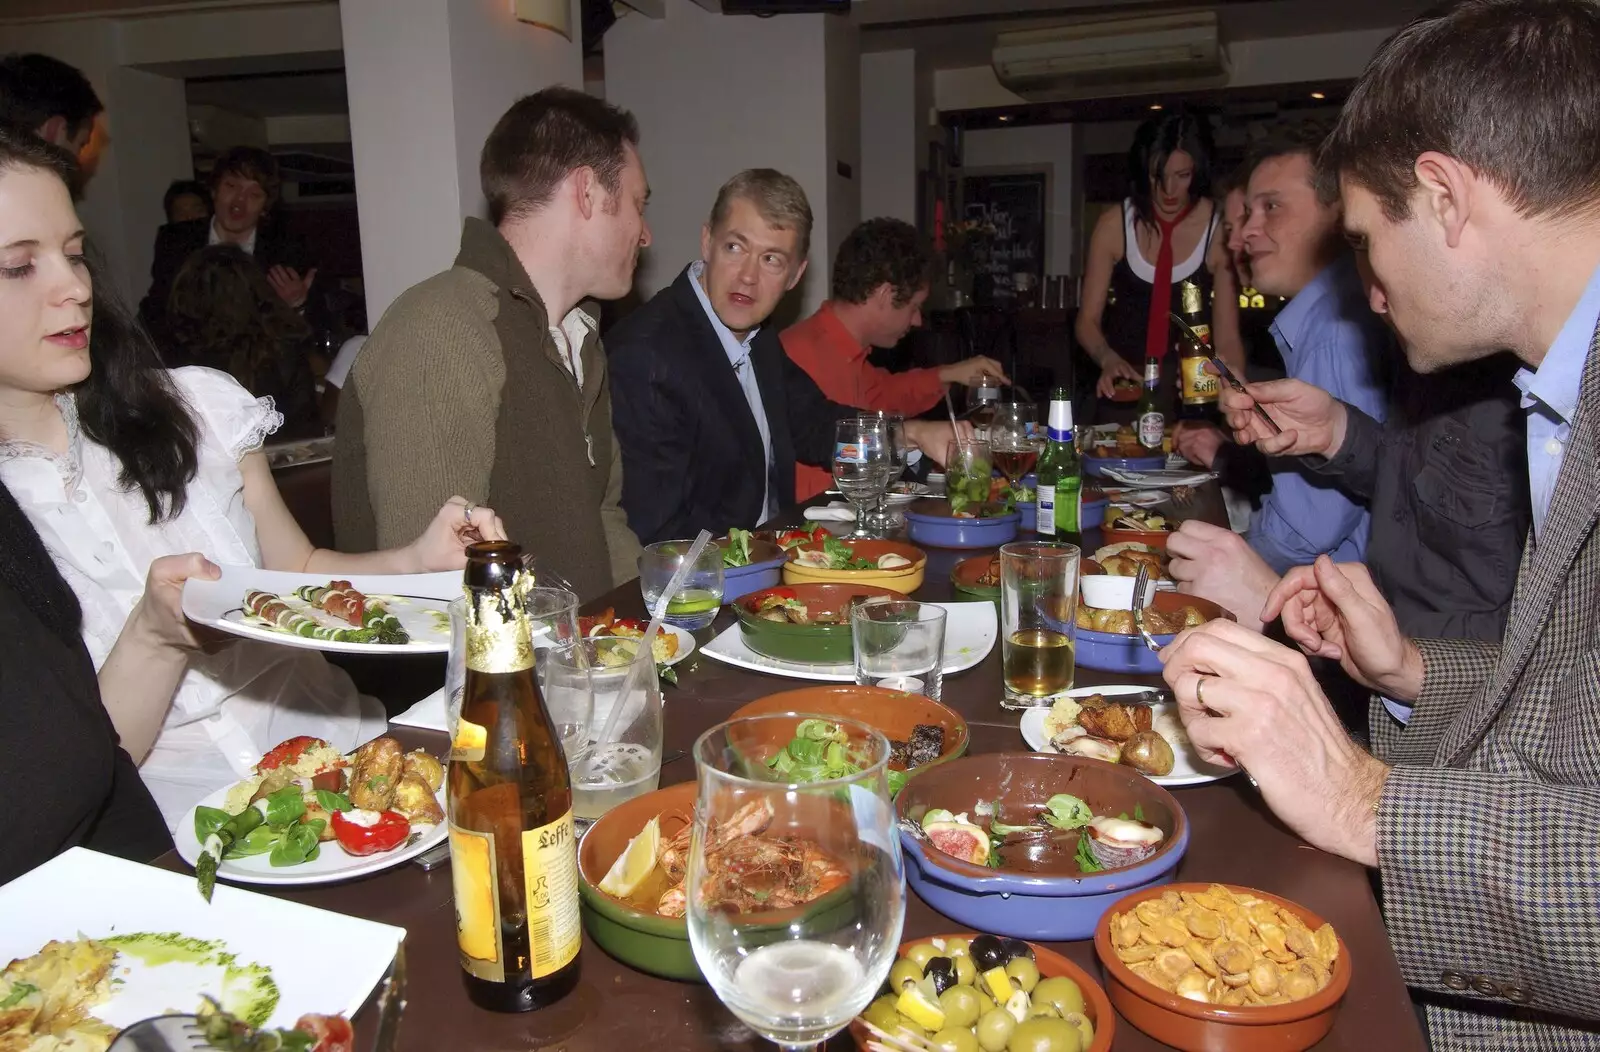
[(987, 952), (942, 970), (1015, 948)]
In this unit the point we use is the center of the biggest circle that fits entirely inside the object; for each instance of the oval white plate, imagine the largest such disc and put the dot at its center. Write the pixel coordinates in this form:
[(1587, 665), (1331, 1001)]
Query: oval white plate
[(421, 602), (331, 864), (1187, 767)]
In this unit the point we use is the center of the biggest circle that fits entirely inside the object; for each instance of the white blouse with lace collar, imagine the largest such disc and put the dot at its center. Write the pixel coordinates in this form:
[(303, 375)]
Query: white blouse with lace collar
[(232, 705)]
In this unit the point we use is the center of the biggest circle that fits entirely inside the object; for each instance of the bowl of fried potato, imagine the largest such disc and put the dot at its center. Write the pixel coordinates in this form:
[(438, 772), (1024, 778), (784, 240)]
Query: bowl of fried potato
[(1211, 966), (1109, 641)]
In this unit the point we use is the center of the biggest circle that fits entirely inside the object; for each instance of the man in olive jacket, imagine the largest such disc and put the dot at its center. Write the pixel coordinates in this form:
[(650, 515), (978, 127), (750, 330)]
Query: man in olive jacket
[(488, 380)]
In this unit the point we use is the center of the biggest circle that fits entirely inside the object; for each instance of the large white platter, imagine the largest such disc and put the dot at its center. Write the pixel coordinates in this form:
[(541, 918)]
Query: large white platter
[(969, 634), (420, 601), (1187, 767), (322, 962)]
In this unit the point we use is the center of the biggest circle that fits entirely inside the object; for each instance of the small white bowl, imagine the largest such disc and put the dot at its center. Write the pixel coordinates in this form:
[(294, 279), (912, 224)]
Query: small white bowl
[(1105, 592)]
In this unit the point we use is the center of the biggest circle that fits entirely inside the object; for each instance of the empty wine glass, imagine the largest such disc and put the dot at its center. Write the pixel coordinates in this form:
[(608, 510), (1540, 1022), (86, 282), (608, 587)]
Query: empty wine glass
[(881, 521), (862, 461), (795, 892)]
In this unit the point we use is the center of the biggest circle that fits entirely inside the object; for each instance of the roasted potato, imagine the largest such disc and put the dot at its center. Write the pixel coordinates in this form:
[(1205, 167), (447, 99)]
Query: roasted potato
[(416, 801), (375, 774), (425, 765), (1111, 720)]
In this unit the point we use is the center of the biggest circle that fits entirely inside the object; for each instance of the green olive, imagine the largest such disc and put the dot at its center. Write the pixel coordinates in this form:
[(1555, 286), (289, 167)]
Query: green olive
[(1061, 992), (994, 1030), (1042, 1010), (966, 971), (904, 972), (1085, 1028), (921, 954), (955, 948), (954, 1039), (962, 1006), (881, 1014), (1023, 972), (1044, 1035)]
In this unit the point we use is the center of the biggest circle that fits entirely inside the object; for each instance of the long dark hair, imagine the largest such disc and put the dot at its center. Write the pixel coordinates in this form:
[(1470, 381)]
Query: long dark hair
[(128, 403), (1158, 139), (223, 313)]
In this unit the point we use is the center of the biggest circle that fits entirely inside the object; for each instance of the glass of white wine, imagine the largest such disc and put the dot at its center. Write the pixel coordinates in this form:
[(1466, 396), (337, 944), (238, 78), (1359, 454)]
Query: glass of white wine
[(1038, 626), (796, 891)]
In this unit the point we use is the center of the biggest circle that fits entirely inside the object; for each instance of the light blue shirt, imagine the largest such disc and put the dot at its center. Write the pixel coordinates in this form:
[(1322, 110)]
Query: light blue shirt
[(739, 357), (1550, 396), (1330, 339)]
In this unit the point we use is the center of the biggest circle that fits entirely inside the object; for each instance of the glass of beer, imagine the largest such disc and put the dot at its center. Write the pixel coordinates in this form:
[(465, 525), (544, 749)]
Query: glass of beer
[(1038, 605)]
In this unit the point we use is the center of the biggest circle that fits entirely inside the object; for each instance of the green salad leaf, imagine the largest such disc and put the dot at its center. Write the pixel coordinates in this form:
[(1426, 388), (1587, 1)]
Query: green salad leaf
[(208, 820), (285, 807), (820, 750), (842, 557), (18, 993), (1087, 863), (331, 801), (737, 553), (1066, 812)]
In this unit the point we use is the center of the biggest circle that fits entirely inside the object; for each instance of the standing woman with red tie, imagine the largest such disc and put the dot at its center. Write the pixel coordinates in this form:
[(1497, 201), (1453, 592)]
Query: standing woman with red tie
[(1165, 233)]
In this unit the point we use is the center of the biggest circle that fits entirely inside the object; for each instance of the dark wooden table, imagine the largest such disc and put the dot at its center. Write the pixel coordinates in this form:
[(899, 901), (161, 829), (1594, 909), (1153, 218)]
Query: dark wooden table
[(1234, 839)]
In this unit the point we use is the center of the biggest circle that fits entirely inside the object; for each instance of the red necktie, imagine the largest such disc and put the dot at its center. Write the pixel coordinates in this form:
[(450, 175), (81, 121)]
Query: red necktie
[(1155, 333)]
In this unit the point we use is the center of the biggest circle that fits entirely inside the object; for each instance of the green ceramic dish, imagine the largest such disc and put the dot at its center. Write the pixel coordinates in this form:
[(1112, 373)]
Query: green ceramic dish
[(820, 644), (964, 579)]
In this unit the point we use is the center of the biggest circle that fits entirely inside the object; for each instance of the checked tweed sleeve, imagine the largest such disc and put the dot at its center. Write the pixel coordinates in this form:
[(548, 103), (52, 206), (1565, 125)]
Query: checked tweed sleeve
[(1454, 671), (1488, 874)]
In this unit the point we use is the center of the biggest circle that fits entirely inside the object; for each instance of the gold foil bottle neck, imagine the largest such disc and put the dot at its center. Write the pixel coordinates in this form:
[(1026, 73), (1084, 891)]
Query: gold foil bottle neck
[(499, 631), (1191, 297)]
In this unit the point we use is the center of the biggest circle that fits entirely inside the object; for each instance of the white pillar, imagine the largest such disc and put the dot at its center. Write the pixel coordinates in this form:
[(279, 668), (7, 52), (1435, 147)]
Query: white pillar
[(715, 94), (889, 140), (427, 81)]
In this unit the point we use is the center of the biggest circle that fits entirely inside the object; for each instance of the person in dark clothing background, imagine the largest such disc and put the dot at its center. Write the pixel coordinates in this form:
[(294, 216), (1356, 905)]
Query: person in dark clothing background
[(223, 314)]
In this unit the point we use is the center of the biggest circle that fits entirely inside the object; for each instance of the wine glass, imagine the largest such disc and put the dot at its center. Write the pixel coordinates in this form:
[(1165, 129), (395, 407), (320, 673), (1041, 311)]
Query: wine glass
[(862, 461), (880, 520), (1013, 447), (795, 892)]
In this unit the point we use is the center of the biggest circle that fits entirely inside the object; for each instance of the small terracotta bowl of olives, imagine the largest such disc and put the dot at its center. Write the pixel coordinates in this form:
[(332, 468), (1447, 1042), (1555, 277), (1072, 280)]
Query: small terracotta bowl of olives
[(982, 993)]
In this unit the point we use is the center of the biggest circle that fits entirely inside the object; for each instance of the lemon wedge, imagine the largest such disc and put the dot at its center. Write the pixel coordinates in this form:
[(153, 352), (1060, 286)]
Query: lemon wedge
[(916, 1006), (637, 861)]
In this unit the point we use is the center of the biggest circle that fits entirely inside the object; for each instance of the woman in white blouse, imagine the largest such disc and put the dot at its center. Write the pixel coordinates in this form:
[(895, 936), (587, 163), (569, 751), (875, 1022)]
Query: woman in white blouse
[(123, 468)]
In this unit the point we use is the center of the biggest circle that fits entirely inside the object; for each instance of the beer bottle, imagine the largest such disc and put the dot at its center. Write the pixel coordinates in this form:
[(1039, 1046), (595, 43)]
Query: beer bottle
[(1198, 389), (1060, 471), (1152, 422), (513, 854)]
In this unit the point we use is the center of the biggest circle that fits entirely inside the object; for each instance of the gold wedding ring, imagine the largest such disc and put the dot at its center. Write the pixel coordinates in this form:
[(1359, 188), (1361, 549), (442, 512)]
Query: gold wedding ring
[(1200, 691)]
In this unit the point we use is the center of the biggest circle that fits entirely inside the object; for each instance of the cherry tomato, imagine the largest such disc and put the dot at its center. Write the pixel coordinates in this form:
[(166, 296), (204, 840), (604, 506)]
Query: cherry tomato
[(332, 1032)]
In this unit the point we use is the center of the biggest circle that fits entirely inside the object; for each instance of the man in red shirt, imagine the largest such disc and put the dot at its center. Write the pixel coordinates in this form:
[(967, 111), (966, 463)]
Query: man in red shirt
[(880, 281)]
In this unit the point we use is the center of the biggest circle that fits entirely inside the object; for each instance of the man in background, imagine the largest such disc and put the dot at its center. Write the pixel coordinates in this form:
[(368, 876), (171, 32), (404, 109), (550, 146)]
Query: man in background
[(246, 187), (880, 282), (488, 380), (711, 414), (57, 102)]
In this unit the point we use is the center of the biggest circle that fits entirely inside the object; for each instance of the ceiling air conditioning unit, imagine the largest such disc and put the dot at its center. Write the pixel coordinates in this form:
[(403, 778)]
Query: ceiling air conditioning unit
[(1127, 56)]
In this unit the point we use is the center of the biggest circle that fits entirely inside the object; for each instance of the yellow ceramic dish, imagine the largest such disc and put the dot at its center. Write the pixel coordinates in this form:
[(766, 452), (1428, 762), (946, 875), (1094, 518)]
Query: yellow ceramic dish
[(904, 579)]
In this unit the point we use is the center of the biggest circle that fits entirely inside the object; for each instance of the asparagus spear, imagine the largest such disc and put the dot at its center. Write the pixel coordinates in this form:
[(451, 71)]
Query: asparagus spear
[(218, 843)]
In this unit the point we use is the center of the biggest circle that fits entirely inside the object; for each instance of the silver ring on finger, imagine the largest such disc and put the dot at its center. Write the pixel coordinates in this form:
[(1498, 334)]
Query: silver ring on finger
[(467, 512)]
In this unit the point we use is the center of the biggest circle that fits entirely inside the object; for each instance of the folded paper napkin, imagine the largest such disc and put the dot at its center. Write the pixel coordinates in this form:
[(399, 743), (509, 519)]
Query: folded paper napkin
[(1159, 478), (837, 511), (427, 714)]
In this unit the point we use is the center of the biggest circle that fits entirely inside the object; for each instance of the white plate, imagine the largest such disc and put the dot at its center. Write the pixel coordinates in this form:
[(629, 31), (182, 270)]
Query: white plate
[(1139, 498), (1166, 477), (1187, 767), (332, 864), (322, 962), (421, 602), (970, 631)]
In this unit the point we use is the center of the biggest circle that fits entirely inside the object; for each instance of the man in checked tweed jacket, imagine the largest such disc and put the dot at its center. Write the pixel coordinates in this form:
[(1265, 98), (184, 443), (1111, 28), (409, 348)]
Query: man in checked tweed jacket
[(1469, 163)]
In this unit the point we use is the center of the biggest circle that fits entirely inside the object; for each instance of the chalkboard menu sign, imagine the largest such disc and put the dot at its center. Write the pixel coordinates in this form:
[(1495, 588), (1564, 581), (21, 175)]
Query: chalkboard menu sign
[(1015, 206)]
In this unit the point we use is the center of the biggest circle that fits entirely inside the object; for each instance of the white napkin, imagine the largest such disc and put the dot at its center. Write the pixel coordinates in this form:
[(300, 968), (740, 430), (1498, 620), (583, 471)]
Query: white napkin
[(427, 714), (837, 511)]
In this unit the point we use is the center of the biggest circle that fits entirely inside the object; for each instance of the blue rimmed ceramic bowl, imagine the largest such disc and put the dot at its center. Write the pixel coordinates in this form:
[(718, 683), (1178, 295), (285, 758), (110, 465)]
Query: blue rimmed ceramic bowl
[(1096, 465), (1114, 652), (1039, 892), (764, 571), (929, 521), (1092, 506)]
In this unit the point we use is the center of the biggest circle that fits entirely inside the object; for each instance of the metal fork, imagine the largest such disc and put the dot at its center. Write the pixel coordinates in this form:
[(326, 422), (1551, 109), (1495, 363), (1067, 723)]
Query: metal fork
[(167, 1033), (1141, 581)]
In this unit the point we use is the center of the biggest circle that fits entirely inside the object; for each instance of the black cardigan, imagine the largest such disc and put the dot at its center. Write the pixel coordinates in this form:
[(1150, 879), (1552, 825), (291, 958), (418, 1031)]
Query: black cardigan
[(65, 779)]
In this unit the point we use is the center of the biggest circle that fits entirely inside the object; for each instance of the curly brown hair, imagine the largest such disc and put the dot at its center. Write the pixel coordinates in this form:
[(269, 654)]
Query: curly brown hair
[(222, 313), (879, 251)]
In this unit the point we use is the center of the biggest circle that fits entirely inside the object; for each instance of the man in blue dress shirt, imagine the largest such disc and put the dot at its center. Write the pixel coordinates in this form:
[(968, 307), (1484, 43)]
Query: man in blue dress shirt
[(1328, 336)]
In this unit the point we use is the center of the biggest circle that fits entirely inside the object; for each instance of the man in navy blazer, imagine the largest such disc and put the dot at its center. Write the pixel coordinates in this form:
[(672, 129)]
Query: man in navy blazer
[(710, 413)]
